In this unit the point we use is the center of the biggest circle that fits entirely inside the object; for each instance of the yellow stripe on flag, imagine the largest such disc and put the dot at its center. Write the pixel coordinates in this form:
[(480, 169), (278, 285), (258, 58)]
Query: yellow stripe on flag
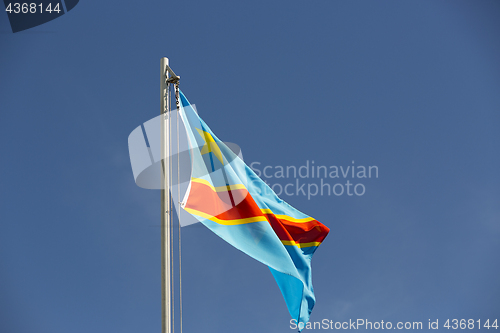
[(226, 222), (219, 188), (301, 245), (286, 217)]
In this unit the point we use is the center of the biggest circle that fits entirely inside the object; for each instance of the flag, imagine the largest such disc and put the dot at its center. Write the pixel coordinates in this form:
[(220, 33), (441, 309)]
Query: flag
[(231, 200)]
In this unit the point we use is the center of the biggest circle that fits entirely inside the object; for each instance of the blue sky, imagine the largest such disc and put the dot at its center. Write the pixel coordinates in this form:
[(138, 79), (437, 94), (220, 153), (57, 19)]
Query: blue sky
[(412, 87)]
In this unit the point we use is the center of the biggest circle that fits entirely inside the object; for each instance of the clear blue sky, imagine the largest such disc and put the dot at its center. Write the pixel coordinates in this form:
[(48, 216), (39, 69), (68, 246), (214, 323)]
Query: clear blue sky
[(412, 87)]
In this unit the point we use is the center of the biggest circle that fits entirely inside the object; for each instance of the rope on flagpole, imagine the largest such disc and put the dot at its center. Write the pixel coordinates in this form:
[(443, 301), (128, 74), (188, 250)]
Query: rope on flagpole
[(170, 212), (179, 199)]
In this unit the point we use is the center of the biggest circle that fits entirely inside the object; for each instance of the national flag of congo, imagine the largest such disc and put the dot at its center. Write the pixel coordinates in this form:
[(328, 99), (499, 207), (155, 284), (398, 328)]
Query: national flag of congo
[(231, 200)]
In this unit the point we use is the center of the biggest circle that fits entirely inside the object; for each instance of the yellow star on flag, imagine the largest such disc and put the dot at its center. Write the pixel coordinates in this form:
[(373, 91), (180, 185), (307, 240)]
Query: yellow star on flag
[(210, 145)]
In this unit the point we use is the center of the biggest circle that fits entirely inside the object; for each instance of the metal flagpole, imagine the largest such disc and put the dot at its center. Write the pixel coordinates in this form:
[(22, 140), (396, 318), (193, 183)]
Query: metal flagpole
[(166, 278)]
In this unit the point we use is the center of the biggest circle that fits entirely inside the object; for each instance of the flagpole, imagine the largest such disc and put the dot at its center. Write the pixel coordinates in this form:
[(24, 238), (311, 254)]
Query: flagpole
[(166, 276)]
